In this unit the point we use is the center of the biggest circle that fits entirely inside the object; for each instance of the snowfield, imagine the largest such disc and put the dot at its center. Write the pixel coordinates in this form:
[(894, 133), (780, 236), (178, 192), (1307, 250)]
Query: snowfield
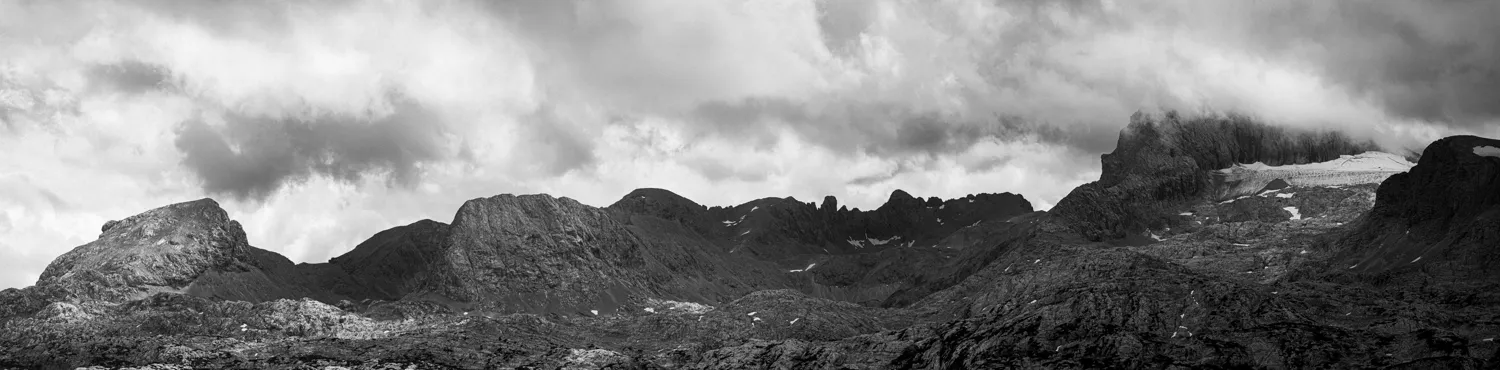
[(1487, 151), (1363, 168), (871, 241)]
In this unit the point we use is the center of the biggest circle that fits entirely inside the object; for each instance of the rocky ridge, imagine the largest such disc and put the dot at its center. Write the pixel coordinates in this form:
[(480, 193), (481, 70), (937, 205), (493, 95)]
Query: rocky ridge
[(1148, 267)]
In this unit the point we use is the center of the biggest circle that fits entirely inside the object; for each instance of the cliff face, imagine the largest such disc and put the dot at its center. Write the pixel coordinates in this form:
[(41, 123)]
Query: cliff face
[(536, 253), (1441, 219), (1160, 163)]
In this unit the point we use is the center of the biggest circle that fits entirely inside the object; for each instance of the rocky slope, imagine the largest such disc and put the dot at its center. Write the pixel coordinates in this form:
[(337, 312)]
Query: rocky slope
[(1441, 218)]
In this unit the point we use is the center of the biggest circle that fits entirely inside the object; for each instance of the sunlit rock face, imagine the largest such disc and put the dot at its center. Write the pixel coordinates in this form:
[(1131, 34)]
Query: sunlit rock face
[(191, 247), (168, 247)]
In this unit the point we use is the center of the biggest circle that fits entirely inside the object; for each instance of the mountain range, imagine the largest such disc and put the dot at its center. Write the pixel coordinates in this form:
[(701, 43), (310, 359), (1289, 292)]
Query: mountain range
[(1208, 242)]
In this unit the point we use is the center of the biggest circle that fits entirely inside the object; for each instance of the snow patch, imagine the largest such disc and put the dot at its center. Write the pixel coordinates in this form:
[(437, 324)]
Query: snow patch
[(736, 222), (752, 313), (757, 319), (1419, 258), (595, 312), (1487, 151), (1364, 168), (1155, 237), (794, 321), (1285, 195), (1232, 200), (746, 232), (687, 307), (651, 310), (874, 241), (752, 209), (1295, 215), (809, 267), (940, 220), (1185, 214)]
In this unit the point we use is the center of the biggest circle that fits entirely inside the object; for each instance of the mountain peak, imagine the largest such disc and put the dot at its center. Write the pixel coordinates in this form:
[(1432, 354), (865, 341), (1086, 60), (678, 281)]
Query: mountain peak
[(899, 196), (167, 246), (659, 203)]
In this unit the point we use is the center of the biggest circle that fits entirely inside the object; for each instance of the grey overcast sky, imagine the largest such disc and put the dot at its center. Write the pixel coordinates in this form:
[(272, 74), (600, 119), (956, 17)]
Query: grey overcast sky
[(318, 123)]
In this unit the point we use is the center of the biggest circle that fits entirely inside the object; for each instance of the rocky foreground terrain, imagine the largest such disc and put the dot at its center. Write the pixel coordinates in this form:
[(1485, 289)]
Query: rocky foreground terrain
[(1206, 243)]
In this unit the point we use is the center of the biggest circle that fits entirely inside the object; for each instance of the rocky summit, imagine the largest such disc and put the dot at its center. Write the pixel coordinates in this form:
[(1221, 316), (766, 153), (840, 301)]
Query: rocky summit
[(1208, 242)]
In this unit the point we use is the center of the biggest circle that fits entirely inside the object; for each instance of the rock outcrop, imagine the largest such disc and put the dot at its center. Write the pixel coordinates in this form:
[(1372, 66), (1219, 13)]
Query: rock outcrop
[(185, 247), (1440, 220)]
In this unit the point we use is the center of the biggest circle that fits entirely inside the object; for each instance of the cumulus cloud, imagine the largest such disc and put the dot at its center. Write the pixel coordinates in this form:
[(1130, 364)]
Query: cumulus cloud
[(324, 122)]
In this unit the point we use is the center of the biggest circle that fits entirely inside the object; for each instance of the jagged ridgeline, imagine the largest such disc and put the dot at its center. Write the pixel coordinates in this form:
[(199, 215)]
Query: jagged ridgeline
[(1160, 162), (1254, 247)]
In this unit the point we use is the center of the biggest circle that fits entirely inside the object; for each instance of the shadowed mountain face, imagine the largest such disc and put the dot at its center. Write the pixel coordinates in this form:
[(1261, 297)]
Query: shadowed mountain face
[(1439, 221), (1206, 243)]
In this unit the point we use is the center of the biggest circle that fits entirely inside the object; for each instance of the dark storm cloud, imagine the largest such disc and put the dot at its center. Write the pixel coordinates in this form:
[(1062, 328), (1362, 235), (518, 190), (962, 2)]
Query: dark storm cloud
[(252, 157), (1437, 61)]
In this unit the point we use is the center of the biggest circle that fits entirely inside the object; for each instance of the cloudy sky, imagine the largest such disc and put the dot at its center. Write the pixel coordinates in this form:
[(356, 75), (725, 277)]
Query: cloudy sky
[(318, 123)]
